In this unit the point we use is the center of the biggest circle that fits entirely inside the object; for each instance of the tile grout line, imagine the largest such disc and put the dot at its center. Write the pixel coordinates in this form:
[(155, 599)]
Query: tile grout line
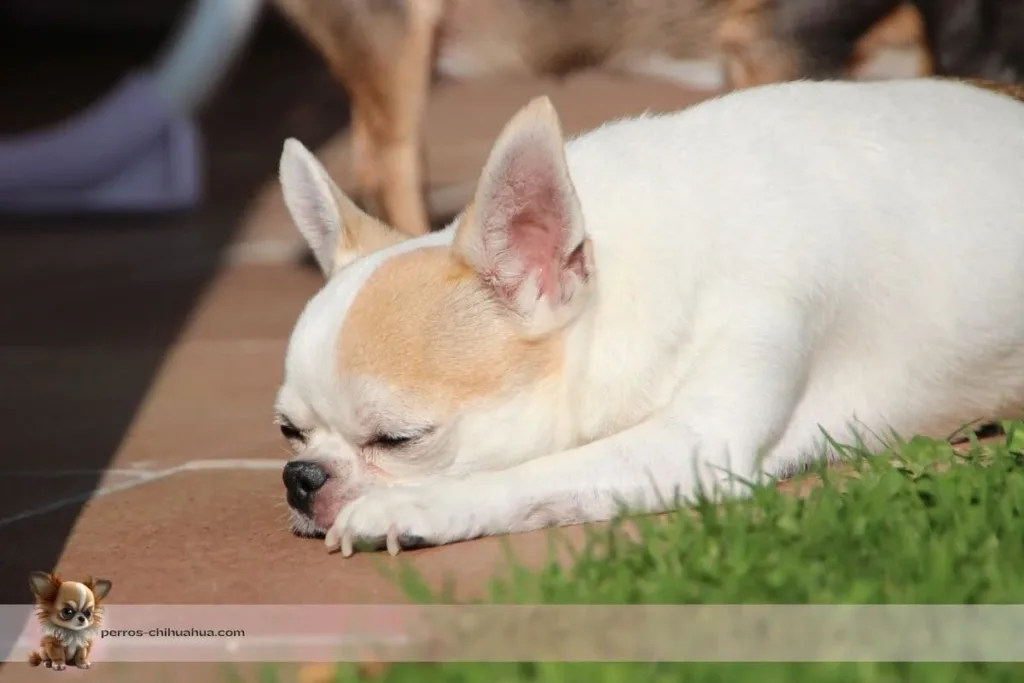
[(84, 497), (143, 477)]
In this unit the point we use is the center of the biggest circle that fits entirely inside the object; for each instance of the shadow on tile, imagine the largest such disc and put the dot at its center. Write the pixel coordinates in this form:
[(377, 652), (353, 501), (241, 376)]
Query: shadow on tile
[(92, 304)]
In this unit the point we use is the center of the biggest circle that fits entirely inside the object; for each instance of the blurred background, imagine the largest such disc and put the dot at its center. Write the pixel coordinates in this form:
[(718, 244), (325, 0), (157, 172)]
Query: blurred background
[(93, 303)]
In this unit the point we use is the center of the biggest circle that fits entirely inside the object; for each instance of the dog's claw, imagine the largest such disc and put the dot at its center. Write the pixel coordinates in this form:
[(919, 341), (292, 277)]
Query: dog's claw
[(393, 543), (331, 540), (335, 542)]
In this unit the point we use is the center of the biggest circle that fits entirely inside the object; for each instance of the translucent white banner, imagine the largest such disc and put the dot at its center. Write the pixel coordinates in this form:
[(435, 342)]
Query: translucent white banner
[(706, 633)]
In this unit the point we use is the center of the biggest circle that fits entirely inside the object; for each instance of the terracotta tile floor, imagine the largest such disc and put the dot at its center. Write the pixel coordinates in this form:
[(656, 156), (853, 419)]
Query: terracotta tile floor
[(133, 348)]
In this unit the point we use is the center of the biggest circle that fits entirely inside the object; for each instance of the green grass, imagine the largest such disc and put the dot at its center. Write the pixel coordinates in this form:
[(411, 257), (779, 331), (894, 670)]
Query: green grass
[(913, 527)]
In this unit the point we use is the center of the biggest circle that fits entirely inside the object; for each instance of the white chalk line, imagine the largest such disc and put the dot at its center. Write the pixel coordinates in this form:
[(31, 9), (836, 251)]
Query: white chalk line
[(48, 474), (139, 478)]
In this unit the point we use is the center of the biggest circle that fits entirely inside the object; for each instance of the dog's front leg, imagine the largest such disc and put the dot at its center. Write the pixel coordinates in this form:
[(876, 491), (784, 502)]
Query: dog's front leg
[(56, 657), (82, 657), (737, 402)]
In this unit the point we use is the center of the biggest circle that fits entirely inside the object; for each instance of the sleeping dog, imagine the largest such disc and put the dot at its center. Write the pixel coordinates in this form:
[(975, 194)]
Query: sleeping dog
[(664, 305)]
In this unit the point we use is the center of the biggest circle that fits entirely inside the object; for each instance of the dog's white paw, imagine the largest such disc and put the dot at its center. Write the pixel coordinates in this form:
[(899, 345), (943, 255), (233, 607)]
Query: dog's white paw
[(431, 514)]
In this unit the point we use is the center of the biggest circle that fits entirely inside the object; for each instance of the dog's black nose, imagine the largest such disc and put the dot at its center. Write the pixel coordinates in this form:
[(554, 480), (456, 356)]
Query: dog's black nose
[(81, 619), (302, 478)]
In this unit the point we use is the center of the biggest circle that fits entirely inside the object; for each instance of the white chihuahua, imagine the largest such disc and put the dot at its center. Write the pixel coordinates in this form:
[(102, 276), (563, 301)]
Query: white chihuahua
[(662, 305)]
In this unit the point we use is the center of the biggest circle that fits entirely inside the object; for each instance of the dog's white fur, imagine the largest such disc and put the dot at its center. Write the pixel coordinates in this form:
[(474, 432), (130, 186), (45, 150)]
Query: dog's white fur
[(722, 284), (72, 637)]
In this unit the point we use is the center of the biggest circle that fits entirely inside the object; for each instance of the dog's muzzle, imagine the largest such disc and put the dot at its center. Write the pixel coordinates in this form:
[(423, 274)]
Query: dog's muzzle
[(303, 478)]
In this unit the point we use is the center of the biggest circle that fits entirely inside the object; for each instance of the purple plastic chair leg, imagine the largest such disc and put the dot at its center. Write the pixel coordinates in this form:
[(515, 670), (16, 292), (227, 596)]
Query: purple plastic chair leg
[(129, 152)]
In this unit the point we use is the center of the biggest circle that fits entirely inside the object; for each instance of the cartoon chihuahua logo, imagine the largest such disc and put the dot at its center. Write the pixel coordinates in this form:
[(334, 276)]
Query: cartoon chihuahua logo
[(70, 614)]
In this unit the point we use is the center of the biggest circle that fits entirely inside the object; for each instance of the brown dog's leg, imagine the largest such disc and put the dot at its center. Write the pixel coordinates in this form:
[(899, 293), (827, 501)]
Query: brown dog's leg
[(54, 652), (753, 53), (903, 29), (767, 41), (389, 98), (82, 657), (382, 53)]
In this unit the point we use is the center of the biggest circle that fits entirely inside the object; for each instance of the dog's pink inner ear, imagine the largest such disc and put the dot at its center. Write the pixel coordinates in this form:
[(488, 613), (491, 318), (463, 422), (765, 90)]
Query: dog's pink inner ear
[(523, 235), (526, 220), (529, 215)]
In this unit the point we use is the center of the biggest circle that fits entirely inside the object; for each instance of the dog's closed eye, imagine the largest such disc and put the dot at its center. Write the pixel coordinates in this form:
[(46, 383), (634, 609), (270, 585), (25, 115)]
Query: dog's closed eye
[(291, 433), (393, 440), (389, 441)]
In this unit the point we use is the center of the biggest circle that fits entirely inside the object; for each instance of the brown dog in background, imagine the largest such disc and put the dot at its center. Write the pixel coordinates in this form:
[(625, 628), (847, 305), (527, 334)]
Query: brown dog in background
[(387, 52)]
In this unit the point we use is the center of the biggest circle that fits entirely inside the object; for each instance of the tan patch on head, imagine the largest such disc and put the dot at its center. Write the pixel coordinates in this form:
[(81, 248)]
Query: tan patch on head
[(364, 234), (425, 326)]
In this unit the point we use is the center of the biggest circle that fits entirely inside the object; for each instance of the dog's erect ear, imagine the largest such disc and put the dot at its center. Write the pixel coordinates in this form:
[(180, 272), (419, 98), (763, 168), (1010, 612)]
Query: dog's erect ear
[(335, 229), (524, 234), (44, 586), (100, 587)]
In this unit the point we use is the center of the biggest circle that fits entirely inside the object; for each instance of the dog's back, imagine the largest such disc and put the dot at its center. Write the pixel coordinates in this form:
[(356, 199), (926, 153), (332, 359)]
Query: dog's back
[(852, 175), (890, 213)]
